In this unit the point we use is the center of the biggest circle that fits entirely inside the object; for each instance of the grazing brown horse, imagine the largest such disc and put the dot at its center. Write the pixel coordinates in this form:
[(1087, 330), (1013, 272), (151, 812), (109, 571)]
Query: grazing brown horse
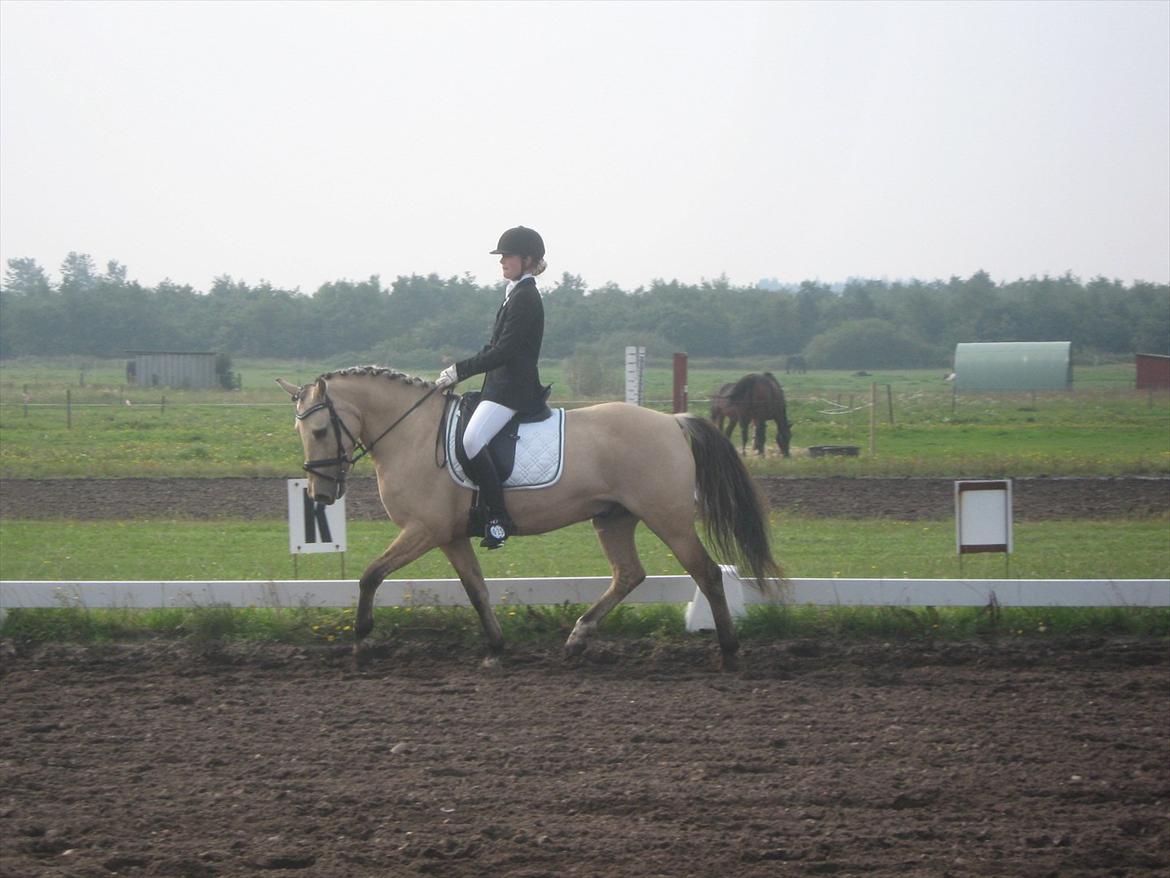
[(624, 465), (759, 398), (724, 411)]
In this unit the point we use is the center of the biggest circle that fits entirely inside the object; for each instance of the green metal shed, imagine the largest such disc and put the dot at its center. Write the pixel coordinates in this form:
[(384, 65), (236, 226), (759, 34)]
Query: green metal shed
[(1013, 365), (182, 369)]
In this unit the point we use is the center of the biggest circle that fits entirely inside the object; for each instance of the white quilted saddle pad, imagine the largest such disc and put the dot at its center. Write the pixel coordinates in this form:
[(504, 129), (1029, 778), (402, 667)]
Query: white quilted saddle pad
[(540, 453)]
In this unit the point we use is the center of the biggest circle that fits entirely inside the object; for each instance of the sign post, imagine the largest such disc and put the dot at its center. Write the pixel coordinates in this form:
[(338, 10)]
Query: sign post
[(635, 375), (983, 517), (314, 527)]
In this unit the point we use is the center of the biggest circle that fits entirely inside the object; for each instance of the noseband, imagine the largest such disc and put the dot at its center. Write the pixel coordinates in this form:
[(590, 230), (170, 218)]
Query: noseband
[(342, 459), (345, 461)]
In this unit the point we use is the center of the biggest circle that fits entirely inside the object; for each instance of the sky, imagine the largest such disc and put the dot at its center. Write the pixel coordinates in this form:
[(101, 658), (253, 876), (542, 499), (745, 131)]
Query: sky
[(301, 143)]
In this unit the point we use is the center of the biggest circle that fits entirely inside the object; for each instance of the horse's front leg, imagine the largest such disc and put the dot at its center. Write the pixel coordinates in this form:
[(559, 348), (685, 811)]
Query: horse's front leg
[(462, 558), (413, 542)]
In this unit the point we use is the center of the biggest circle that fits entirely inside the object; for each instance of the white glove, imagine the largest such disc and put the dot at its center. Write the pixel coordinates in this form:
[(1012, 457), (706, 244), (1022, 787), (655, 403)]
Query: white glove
[(447, 377)]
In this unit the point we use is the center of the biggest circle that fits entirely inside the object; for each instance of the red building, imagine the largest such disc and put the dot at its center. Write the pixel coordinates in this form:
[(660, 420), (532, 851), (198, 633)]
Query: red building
[(1153, 371)]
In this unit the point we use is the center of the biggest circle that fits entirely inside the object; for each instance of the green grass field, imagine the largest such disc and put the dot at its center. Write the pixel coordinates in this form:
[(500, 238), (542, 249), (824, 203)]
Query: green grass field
[(807, 548), (1102, 427)]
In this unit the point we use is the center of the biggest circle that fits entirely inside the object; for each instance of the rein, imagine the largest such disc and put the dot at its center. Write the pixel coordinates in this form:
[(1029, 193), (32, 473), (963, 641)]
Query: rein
[(342, 459)]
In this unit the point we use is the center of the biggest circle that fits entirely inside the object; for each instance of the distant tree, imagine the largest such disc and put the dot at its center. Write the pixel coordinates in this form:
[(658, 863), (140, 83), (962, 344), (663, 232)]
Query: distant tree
[(857, 299), (813, 302), (115, 273), (870, 344), (25, 277), (1151, 317), (78, 273), (430, 319)]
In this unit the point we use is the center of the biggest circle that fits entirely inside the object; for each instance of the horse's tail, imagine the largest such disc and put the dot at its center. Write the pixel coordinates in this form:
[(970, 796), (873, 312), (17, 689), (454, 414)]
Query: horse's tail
[(734, 514)]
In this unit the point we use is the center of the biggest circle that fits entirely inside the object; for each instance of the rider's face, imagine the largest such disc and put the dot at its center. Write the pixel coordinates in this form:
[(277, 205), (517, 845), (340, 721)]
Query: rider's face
[(512, 265)]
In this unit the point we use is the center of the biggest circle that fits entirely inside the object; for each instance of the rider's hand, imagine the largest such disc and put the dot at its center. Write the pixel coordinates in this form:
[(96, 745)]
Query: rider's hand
[(447, 377)]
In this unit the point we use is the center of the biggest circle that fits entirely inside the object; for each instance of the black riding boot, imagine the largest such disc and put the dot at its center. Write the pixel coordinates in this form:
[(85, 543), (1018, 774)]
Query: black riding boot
[(498, 526)]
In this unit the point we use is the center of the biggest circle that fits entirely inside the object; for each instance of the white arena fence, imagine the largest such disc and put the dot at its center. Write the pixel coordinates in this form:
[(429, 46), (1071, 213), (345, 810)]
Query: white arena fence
[(553, 591)]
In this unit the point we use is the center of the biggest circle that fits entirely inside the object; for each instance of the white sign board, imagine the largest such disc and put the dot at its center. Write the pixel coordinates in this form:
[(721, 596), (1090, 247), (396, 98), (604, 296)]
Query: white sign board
[(636, 375), (983, 516), (313, 526)]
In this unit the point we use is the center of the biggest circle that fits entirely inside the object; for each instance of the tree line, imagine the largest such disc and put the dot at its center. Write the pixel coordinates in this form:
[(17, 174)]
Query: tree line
[(421, 320)]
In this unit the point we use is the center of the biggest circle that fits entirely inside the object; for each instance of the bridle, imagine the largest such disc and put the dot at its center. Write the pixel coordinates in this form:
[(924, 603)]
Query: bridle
[(343, 460)]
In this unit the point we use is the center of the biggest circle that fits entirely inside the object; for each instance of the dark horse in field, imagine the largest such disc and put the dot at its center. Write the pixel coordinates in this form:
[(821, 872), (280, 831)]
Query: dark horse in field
[(726, 415), (755, 398), (795, 363)]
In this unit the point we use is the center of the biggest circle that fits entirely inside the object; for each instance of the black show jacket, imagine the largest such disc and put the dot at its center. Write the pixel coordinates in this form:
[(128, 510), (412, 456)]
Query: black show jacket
[(510, 358)]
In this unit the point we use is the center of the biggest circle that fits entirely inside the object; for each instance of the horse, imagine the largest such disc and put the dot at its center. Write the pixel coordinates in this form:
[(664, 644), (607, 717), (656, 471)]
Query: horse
[(724, 411), (795, 363), (760, 399), (624, 465)]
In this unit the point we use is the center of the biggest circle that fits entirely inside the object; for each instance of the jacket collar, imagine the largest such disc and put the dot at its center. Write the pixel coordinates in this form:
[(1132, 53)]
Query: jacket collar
[(512, 285)]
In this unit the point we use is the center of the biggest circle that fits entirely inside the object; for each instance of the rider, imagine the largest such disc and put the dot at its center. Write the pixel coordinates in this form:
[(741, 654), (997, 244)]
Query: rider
[(512, 382)]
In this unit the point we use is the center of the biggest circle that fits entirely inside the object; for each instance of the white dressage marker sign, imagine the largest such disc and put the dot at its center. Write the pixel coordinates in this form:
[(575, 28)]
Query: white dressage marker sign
[(313, 526), (983, 516)]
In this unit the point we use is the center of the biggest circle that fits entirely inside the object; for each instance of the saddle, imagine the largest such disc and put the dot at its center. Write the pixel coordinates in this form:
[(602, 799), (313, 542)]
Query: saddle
[(540, 434)]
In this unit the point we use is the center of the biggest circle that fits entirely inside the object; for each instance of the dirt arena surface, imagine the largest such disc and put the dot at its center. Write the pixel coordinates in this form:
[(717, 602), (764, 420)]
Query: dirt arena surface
[(1034, 499), (1020, 757)]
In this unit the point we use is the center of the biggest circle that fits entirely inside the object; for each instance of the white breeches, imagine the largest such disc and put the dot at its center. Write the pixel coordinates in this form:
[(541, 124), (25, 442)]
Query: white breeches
[(488, 419)]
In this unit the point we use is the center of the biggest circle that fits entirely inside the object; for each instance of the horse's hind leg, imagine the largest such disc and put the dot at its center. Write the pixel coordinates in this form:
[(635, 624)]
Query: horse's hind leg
[(616, 533), (463, 559), (684, 542)]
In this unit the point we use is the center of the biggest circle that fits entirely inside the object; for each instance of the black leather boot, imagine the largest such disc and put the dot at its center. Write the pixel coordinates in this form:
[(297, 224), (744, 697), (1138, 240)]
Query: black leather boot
[(498, 526)]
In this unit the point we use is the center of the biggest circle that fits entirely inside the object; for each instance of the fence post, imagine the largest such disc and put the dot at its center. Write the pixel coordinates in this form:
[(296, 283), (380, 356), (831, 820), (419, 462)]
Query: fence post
[(890, 403), (68, 409), (679, 401), (872, 418), (162, 406)]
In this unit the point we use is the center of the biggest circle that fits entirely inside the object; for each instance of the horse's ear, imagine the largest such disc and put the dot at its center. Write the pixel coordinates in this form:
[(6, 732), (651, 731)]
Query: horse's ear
[(321, 388), (291, 389)]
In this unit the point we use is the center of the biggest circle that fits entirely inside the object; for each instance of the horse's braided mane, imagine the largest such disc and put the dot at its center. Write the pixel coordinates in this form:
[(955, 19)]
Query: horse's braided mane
[(371, 371)]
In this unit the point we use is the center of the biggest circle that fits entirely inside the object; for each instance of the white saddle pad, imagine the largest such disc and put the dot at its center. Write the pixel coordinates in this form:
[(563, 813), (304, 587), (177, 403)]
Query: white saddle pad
[(540, 453)]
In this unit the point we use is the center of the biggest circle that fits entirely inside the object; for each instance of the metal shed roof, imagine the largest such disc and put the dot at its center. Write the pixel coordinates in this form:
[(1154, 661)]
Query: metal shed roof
[(1013, 365)]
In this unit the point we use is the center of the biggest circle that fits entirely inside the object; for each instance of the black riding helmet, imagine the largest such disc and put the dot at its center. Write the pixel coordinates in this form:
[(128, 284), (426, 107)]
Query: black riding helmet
[(521, 242)]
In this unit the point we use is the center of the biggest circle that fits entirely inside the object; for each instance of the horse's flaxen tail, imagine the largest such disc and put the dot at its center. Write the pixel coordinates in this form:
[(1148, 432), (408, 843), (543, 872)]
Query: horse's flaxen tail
[(734, 513)]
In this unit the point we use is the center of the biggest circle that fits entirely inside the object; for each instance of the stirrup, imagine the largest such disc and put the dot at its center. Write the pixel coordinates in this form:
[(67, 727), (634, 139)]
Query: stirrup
[(495, 533)]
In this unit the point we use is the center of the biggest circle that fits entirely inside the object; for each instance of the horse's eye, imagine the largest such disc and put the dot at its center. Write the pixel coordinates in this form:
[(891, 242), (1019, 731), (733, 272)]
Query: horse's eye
[(320, 434)]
